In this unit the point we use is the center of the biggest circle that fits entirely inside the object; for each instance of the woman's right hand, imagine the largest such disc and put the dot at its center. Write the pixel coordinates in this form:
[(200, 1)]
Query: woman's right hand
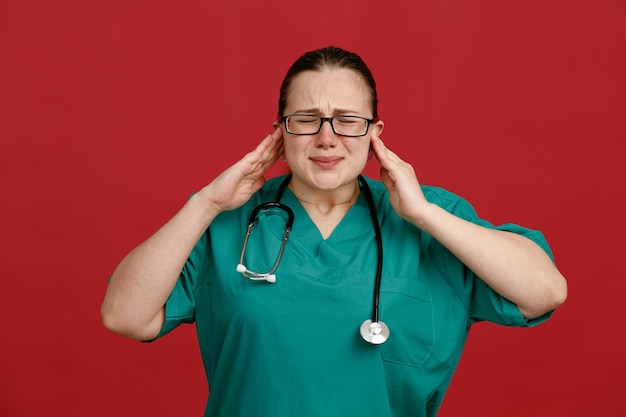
[(139, 287), (234, 187)]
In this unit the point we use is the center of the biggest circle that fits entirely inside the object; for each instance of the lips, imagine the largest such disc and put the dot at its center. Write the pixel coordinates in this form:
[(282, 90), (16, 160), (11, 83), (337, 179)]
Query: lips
[(326, 162)]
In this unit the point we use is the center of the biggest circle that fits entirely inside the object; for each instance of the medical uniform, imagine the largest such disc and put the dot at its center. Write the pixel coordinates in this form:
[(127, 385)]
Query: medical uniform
[(293, 348)]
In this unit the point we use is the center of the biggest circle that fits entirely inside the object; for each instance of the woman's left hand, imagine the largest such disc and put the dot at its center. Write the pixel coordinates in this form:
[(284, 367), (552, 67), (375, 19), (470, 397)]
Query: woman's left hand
[(405, 193), (510, 264)]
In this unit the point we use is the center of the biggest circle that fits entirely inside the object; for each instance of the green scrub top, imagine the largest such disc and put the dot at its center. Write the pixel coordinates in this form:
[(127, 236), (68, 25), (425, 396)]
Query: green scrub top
[(293, 348)]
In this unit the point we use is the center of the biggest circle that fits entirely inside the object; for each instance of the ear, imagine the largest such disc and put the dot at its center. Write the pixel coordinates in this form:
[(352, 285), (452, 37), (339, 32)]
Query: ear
[(276, 124), (377, 127)]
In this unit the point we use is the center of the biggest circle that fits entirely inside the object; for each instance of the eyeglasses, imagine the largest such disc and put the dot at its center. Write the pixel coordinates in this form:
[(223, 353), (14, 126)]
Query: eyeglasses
[(307, 124)]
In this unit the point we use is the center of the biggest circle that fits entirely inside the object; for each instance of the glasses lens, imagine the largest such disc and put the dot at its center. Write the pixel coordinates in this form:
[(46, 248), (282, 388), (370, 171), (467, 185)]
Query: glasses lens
[(303, 125), (350, 125)]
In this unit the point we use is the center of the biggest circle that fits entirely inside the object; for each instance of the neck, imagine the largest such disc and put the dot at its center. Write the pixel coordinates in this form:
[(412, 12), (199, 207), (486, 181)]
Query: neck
[(326, 200)]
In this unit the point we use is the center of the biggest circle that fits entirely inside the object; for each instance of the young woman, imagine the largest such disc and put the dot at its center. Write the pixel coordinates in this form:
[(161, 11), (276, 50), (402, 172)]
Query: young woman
[(405, 267)]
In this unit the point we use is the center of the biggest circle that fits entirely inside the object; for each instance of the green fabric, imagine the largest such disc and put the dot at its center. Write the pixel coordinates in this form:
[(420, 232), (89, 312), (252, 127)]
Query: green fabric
[(293, 348)]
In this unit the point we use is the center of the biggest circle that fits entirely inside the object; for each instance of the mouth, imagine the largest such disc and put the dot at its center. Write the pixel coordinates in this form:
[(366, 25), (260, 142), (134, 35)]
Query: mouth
[(326, 162)]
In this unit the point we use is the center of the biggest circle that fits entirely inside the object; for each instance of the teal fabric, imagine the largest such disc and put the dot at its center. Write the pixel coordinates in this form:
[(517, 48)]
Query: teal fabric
[(293, 348)]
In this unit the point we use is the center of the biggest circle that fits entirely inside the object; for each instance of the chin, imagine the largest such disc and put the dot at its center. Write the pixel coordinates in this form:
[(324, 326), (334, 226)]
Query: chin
[(331, 180)]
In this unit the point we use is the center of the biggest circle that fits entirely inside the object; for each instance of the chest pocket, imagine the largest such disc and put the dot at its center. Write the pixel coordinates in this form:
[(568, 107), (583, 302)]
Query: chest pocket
[(407, 308)]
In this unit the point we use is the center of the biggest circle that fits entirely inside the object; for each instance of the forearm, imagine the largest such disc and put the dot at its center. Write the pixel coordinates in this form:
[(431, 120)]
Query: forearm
[(136, 294), (139, 287), (512, 265)]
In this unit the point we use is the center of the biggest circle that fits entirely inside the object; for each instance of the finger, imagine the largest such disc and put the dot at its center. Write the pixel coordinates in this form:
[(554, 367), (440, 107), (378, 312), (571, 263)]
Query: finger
[(388, 158), (268, 149), (276, 147), (382, 154), (272, 152), (277, 144)]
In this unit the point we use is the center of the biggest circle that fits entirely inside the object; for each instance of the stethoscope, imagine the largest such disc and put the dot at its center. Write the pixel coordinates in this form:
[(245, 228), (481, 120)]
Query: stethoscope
[(372, 330)]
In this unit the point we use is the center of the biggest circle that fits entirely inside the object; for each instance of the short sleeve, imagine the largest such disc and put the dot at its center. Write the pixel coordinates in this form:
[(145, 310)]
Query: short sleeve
[(482, 302), (491, 306), (181, 304)]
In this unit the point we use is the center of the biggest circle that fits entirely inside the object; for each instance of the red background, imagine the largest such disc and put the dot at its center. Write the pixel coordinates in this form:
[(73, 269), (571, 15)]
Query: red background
[(112, 113)]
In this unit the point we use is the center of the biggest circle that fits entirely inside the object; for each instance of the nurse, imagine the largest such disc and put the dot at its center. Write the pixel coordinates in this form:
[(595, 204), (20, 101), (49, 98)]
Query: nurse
[(293, 347)]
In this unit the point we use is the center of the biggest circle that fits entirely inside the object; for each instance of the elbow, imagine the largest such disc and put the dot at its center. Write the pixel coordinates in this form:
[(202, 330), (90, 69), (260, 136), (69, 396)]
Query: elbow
[(558, 291), (549, 300), (123, 326), (560, 294), (112, 321), (553, 301)]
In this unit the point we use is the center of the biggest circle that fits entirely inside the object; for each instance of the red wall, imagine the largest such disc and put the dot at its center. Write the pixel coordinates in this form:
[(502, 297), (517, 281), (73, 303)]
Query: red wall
[(112, 113)]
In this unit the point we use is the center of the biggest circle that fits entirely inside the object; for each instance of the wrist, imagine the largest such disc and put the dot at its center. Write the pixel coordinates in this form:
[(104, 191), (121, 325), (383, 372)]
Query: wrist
[(204, 205), (426, 217)]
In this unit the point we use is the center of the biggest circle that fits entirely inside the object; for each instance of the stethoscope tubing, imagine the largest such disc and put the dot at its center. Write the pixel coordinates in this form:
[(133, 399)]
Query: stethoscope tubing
[(372, 330), (379, 247), (267, 276)]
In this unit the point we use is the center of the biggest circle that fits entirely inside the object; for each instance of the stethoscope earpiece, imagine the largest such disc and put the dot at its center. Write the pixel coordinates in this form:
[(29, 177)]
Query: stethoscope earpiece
[(253, 276)]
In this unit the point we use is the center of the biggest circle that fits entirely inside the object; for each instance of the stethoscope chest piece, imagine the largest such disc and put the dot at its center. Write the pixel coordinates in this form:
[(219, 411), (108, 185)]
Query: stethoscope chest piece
[(375, 333), (372, 330)]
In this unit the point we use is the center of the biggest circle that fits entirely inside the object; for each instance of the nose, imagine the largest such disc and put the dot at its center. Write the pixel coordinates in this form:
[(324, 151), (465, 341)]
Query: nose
[(326, 138)]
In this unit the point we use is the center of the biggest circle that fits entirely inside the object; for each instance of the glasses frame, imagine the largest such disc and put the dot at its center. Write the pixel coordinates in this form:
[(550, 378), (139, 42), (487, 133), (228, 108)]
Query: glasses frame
[(330, 120)]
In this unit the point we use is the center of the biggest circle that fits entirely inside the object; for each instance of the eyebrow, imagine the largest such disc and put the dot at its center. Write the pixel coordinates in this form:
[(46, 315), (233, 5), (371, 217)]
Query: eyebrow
[(317, 111)]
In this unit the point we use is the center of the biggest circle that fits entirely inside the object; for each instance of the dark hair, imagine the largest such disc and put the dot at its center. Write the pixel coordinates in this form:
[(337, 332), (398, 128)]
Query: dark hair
[(328, 58)]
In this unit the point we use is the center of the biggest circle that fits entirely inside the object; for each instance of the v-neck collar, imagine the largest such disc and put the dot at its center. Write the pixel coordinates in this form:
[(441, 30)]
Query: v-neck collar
[(304, 229)]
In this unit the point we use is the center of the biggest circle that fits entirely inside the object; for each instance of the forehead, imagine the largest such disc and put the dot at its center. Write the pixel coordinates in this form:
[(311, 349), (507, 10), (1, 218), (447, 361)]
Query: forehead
[(328, 90)]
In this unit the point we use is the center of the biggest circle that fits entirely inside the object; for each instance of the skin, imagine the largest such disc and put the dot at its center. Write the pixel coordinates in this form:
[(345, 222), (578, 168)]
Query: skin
[(326, 164), (325, 167)]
